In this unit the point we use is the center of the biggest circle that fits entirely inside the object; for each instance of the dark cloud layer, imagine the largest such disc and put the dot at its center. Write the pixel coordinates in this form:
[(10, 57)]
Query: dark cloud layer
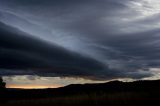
[(94, 39), (18, 51)]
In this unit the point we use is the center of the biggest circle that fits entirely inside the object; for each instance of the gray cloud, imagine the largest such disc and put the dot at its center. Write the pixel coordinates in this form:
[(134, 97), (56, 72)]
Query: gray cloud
[(94, 39), (18, 51)]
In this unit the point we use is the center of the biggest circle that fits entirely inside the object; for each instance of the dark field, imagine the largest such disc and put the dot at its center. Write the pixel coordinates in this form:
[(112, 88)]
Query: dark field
[(109, 94)]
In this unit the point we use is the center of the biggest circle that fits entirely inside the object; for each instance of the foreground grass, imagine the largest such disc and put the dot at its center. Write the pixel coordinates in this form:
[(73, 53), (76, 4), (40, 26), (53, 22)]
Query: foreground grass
[(94, 99)]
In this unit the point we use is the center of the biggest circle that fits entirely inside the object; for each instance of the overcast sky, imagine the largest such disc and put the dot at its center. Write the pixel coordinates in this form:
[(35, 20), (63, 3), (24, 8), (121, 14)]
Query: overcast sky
[(85, 40)]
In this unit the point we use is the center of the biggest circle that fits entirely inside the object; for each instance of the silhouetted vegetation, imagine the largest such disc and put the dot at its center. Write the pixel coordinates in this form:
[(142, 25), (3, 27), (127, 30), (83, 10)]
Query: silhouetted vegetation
[(2, 84), (114, 93), (3, 91)]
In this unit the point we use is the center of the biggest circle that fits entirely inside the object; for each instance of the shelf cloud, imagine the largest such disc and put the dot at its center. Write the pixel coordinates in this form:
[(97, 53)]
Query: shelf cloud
[(91, 39)]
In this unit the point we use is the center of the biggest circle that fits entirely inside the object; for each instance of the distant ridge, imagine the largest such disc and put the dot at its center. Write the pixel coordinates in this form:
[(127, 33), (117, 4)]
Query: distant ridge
[(139, 83), (76, 89)]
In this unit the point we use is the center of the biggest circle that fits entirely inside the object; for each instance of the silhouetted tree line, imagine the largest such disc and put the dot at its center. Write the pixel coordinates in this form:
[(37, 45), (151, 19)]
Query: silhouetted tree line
[(2, 84), (3, 91)]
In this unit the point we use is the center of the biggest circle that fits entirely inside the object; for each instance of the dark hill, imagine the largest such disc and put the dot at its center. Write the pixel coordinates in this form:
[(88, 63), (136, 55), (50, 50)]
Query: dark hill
[(114, 93), (76, 89)]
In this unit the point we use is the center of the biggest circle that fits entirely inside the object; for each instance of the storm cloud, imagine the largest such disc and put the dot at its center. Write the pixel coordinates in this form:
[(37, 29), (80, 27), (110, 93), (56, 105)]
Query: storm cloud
[(93, 39)]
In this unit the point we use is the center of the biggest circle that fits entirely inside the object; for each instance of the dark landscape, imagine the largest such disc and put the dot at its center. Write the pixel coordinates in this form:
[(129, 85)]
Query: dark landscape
[(114, 93)]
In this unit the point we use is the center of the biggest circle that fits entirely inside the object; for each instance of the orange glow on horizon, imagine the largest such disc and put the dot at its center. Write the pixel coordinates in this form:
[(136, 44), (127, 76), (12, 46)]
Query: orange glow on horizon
[(34, 86)]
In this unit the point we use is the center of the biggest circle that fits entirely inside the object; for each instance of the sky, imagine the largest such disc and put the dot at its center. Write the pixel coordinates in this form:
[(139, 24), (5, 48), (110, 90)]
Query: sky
[(53, 43)]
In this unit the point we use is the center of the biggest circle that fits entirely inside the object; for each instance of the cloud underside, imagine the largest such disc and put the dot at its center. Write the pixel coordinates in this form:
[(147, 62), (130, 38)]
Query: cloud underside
[(90, 39)]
